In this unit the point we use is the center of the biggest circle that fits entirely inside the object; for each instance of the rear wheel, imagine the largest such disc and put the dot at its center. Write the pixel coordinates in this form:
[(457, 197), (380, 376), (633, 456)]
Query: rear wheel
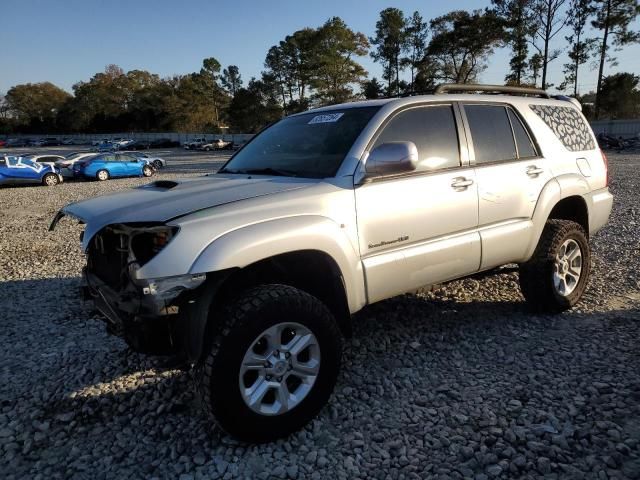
[(102, 175), (157, 164), (272, 364), (50, 180), (147, 170), (555, 278)]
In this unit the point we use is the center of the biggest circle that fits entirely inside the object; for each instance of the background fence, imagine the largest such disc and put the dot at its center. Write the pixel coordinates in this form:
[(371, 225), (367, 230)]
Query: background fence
[(86, 138), (617, 128)]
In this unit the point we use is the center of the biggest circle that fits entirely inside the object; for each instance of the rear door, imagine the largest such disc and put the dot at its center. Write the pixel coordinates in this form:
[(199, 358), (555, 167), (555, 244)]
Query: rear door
[(419, 228), (511, 175)]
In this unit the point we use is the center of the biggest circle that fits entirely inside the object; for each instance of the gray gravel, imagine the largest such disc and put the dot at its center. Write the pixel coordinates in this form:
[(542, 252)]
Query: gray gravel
[(459, 382)]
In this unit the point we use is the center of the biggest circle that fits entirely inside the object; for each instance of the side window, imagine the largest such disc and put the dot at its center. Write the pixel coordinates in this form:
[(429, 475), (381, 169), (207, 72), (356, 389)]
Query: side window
[(491, 133), (568, 125), (526, 148), (432, 129), (109, 158)]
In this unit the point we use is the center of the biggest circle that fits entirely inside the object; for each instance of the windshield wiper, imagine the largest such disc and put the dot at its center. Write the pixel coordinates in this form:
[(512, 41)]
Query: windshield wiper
[(281, 172)]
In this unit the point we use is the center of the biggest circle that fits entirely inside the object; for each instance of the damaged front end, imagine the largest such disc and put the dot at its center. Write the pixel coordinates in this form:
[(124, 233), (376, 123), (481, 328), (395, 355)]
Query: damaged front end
[(142, 311)]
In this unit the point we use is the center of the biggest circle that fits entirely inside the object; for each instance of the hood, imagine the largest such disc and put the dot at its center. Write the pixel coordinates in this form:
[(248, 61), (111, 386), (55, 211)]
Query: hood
[(165, 200)]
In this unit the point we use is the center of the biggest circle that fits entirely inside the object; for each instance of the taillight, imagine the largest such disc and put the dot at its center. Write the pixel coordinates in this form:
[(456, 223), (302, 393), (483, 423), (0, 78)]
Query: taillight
[(606, 168)]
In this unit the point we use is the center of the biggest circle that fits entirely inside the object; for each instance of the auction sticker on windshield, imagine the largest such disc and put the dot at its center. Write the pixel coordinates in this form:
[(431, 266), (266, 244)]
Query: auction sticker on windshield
[(328, 118)]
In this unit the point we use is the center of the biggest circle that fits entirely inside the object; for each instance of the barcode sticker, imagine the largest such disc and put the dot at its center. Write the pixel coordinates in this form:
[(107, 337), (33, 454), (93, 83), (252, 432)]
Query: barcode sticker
[(328, 118)]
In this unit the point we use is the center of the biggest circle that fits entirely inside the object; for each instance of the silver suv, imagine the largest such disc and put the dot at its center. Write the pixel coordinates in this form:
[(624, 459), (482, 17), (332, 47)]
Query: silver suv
[(251, 275)]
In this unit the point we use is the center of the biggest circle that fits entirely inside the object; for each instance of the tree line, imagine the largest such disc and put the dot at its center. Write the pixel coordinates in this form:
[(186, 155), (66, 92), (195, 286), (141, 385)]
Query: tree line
[(321, 66)]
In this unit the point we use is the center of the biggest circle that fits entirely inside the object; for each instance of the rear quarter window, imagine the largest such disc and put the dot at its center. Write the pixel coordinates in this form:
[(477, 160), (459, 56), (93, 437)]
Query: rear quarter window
[(568, 125)]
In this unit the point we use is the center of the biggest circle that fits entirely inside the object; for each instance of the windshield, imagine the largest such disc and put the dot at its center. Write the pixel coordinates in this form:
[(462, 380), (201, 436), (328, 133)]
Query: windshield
[(311, 145)]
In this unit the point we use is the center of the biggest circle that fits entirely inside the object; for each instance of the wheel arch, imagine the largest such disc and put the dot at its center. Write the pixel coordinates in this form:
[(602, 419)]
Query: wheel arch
[(312, 271), (562, 199)]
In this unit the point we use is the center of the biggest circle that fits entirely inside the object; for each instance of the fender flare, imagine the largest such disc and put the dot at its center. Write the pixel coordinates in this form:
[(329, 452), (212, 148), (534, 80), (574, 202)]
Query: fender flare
[(250, 244), (559, 188)]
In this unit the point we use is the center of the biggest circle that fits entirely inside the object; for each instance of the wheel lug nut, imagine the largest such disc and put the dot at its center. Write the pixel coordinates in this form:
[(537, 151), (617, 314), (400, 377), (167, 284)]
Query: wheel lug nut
[(287, 355)]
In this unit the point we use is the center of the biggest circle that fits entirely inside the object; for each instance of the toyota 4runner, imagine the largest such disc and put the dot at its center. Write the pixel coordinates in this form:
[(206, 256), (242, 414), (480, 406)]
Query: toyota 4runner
[(251, 274)]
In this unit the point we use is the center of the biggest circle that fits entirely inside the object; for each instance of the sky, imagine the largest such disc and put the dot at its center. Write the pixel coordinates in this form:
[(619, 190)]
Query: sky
[(66, 41)]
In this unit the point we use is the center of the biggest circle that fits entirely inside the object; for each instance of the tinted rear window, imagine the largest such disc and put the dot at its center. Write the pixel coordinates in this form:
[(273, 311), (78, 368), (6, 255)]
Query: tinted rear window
[(491, 133)]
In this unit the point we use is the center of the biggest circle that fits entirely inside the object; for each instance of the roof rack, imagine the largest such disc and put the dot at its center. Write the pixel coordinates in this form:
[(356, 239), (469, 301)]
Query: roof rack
[(468, 87)]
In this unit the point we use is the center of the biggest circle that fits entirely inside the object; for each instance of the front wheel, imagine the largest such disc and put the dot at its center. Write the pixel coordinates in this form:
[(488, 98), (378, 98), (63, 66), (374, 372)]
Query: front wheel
[(147, 170), (50, 180), (556, 276), (272, 365), (157, 164)]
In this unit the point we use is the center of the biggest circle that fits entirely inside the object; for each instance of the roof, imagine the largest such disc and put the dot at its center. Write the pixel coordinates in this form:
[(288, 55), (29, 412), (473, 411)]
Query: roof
[(458, 97), (503, 93)]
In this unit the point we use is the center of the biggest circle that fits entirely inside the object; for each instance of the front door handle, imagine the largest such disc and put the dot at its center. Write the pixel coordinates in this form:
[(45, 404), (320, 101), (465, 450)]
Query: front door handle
[(461, 183), (534, 171)]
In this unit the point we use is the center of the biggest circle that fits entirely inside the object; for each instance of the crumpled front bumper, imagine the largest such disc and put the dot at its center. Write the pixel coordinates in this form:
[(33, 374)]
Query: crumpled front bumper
[(149, 299)]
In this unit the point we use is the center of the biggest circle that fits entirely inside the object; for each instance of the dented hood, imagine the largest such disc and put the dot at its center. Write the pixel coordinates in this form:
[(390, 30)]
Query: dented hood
[(165, 200)]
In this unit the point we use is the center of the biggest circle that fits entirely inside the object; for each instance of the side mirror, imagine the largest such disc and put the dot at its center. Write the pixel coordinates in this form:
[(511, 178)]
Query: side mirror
[(392, 158)]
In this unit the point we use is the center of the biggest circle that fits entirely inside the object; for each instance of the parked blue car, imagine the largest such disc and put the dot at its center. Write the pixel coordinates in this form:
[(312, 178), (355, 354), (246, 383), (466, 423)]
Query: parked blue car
[(112, 165), (22, 170)]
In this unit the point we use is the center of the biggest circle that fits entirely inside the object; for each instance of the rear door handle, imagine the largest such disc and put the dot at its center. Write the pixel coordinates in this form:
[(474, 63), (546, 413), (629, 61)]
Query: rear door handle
[(461, 183), (534, 171)]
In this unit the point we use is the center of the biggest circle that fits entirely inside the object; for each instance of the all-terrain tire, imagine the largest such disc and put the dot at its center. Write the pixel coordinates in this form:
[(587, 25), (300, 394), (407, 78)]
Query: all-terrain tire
[(239, 325), (537, 275)]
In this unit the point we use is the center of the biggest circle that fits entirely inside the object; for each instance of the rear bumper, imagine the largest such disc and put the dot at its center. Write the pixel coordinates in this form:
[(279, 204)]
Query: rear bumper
[(600, 203)]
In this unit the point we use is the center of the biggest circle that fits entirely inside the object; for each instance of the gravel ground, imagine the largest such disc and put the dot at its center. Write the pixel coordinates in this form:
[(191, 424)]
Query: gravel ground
[(457, 382)]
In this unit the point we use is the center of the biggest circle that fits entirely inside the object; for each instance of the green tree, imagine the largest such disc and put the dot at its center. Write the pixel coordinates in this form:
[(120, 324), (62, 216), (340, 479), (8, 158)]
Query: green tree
[(390, 41), (210, 73), (549, 22), (36, 105), (461, 42), (580, 47), (613, 18), (292, 64), (231, 79), (417, 31), (519, 26), (254, 107), (277, 68), (372, 89), (335, 69), (535, 65), (620, 96)]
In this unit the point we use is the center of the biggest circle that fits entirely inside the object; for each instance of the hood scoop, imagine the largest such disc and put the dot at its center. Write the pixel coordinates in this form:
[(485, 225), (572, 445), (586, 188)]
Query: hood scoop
[(162, 185)]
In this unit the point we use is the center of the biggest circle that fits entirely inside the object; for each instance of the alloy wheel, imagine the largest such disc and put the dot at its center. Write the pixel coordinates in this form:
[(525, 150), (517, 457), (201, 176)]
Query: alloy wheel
[(279, 368), (567, 267)]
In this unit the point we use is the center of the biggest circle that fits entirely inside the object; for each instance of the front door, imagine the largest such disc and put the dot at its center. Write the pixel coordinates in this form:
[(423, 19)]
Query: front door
[(420, 228)]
